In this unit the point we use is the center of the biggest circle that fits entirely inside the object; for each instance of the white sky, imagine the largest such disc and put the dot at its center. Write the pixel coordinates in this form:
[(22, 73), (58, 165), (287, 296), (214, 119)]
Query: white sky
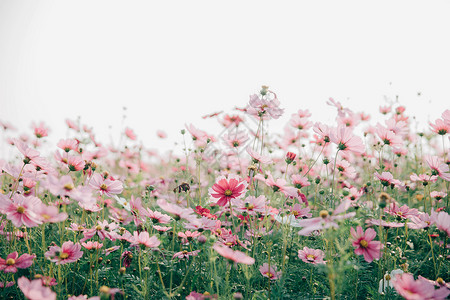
[(170, 62)]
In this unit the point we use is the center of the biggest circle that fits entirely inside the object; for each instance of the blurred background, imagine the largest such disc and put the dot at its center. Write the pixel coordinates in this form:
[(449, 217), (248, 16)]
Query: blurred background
[(158, 65)]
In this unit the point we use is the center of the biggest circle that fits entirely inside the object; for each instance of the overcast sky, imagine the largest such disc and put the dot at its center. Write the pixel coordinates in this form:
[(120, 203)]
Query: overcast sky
[(170, 62)]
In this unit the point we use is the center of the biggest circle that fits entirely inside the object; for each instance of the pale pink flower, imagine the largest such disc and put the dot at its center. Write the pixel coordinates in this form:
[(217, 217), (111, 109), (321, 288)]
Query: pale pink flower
[(236, 256), (21, 210), (14, 262), (299, 213), (311, 256), (385, 109), (178, 211), (345, 140), (92, 245), (75, 163), (278, 185), (144, 238), (29, 154), (105, 186), (363, 241), (161, 134), (252, 205), (388, 137), (258, 157), (68, 144), (50, 214), (300, 123), (40, 130), (325, 221), (419, 289), (130, 134), (156, 216), (403, 212), (440, 127), (188, 235), (271, 272), (68, 253), (264, 108), (35, 290), (300, 181), (438, 167), (323, 130), (185, 254), (235, 138), (424, 178), (442, 221)]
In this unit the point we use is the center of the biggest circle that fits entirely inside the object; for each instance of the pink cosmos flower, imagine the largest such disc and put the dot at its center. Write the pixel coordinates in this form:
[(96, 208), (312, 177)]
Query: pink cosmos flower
[(325, 221), (29, 154), (50, 214), (344, 138), (271, 272), (178, 211), (13, 262), (236, 256), (92, 245), (385, 109), (130, 134), (311, 256), (440, 127), (258, 157), (34, 290), (185, 254), (442, 220), (388, 137), (68, 145), (226, 189), (386, 179), (21, 210), (300, 123), (279, 185), (438, 167), (68, 253), (161, 134), (235, 138), (144, 238), (363, 241), (263, 107), (323, 130), (418, 289), (156, 216), (75, 163), (105, 186), (403, 212), (189, 235), (40, 130), (300, 181), (252, 205), (424, 178), (299, 213)]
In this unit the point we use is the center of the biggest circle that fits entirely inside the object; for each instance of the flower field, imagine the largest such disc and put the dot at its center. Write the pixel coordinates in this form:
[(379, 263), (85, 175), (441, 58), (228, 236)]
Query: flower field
[(356, 209)]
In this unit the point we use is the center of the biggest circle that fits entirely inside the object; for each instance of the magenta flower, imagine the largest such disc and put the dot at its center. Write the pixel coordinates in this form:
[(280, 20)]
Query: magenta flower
[(34, 290), (21, 210), (229, 188), (363, 241), (311, 256), (271, 272), (13, 262), (106, 186), (69, 252)]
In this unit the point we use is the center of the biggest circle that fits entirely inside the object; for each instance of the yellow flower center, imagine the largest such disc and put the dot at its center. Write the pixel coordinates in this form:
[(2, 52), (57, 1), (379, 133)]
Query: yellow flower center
[(228, 193), (310, 257), (98, 227), (64, 255), (251, 206), (45, 216), (270, 275), (364, 243), (323, 214), (103, 187), (10, 261), (20, 210), (68, 187)]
